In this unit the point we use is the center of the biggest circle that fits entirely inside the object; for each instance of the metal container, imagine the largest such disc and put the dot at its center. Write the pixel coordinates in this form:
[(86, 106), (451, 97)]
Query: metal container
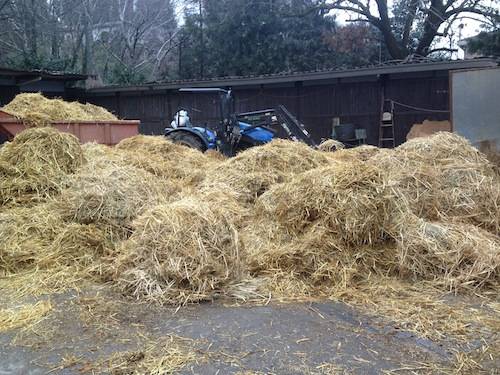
[(105, 132), (344, 132)]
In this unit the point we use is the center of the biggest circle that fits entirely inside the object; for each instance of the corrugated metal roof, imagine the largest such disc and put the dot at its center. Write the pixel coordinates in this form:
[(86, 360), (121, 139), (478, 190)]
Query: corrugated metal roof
[(384, 69)]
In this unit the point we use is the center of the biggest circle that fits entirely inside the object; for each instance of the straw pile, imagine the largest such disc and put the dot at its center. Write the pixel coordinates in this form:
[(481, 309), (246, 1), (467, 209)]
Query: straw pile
[(360, 153), (37, 111), (494, 158), (168, 224), (443, 177), (331, 145), (165, 159), (75, 244), (324, 220), (300, 264), (348, 199), (25, 232), (253, 171), (113, 194), (458, 255), (36, 164), (180, 252)]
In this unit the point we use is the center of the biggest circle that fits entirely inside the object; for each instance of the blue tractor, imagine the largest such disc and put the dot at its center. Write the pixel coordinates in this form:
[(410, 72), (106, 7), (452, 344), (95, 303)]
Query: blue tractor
[(235, 131)]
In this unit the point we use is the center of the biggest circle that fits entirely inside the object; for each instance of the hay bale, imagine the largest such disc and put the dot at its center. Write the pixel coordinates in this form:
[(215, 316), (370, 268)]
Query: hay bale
[(180, 252), (494, 159), (314, 262), (331, 145), (37, 111), (75, 245), (215, 155), (440, 148), (113, 194), (165, 159), (37, 163), (310, 256), (348, 199), (96, 152), (223, 197), (360, 153), (157, 145), (26, 233), (253, 171), (443, 177), (455, 256)]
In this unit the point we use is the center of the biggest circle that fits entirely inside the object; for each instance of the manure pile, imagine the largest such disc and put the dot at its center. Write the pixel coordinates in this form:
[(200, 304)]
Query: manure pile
[(163, 223), (38, 111)]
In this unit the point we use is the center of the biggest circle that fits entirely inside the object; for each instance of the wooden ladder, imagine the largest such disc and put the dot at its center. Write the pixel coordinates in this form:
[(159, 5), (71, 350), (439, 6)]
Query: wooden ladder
[(386, 131)]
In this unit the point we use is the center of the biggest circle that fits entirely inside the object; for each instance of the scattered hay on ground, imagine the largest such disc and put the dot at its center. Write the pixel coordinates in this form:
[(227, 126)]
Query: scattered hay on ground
[(422, 308), (38, 111), (24, 316), (167, 355), (180, 252), (253, 171), (331, 145), (455, 255), (35, 282)]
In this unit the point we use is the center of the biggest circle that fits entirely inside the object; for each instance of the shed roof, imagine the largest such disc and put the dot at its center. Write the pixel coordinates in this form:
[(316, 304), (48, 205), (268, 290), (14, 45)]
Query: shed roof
[(23, 75), (321, 75)]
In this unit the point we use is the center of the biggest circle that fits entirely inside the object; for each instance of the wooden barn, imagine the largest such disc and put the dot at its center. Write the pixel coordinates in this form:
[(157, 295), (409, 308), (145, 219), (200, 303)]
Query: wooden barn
[(318, 99)]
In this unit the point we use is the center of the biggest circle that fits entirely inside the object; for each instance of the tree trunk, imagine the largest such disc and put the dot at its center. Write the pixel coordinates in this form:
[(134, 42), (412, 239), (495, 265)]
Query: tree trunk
[(433, 21), (396, 49), (54, 48), (33, 37), (202, 42), (88, 38)]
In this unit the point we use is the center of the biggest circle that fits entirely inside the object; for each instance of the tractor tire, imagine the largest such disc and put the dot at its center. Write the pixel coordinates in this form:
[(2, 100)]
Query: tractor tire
[(188, 140)]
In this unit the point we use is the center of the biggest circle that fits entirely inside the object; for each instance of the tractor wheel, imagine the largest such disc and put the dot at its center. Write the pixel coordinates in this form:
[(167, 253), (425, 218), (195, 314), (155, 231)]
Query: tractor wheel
[(188, 140)]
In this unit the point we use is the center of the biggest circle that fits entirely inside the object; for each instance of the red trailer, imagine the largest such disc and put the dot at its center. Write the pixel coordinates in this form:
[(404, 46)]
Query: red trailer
[(105, 132)]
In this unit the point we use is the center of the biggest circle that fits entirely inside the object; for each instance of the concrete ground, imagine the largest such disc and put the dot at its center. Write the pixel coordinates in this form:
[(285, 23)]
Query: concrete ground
[(298, 338)]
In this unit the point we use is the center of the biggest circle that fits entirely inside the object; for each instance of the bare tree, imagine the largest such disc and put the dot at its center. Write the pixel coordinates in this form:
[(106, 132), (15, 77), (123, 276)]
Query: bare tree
[(141, 37), (434, 18), (116, 38)]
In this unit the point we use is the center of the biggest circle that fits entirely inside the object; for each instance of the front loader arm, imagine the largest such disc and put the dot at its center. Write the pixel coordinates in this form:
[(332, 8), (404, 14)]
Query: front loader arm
[(280, 116), (293, 127)]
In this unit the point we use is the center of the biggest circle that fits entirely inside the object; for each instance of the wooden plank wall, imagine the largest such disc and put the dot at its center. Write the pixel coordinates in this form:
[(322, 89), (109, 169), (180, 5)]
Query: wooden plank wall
[(315, 105), (7, 93)]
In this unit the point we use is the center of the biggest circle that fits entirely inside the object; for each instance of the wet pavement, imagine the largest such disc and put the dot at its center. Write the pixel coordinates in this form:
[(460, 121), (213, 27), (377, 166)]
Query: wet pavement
[(295, 338)]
